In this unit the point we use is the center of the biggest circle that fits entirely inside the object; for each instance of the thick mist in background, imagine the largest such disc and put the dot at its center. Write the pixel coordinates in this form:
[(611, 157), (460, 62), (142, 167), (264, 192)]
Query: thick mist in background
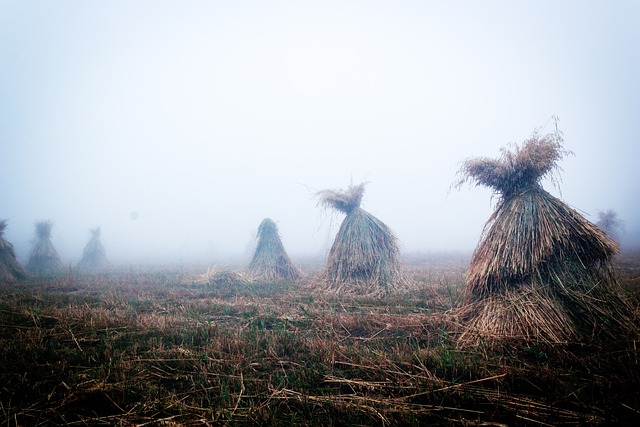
[(177, 128)]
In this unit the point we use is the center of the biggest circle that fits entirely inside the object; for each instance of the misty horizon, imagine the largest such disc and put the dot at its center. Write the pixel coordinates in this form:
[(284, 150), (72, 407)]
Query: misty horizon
[(177, 130)]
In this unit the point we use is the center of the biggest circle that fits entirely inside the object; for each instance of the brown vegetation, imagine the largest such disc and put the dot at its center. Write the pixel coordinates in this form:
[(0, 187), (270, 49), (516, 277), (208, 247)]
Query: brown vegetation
[(365, 256), (541, 273), (270, 261), (175, 348), (10, 268)]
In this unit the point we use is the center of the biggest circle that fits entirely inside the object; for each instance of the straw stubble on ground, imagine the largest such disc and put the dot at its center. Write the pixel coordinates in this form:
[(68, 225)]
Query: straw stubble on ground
[(165, 347)]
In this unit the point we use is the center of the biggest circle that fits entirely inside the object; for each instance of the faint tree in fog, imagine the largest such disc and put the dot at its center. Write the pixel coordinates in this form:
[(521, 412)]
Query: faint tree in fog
[(609, 222)]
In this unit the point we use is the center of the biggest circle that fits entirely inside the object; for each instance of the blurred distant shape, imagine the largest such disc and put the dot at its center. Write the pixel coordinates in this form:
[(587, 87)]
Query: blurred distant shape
[(610, 223), (133, 215), (44, 259), (94, 256)]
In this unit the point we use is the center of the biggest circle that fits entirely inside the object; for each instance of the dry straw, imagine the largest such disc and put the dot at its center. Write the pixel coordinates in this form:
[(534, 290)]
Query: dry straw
[(270, 261), (10, 269), (365, 256), (94, 257), (541, 272), (44, 259)]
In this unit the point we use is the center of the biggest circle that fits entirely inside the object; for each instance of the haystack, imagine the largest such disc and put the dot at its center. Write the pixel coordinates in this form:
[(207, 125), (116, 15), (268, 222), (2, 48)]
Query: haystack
[(10, 269), (44, 259), (365, 255), (270, 260), (94, 257), (541, 273)]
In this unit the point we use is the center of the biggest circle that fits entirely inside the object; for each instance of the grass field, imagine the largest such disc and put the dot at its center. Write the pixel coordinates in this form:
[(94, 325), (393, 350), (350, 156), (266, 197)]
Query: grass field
[(170, 346)]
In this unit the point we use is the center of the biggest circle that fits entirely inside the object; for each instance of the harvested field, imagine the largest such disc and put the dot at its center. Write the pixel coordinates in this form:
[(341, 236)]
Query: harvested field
[(170, 347)]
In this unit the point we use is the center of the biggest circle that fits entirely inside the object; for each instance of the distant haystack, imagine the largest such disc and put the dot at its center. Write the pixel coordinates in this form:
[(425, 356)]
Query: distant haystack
[(270, 260), (10, 269), (542, 272), (365, 255), (94, 256), (44, 259)]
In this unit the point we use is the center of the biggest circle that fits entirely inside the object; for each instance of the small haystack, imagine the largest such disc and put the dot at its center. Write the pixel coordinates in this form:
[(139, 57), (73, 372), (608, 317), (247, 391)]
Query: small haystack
[(218, 277), (365, 255), (10, 269), (270, 261), (541, 272), (94, 256), (44, 259)]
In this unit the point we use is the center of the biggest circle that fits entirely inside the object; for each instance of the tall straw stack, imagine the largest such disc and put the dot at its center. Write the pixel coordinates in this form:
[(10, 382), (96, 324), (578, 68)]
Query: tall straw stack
[(44, 259), (541, 273), (10, 269), (270, 261), (365, 255), (94, 257)]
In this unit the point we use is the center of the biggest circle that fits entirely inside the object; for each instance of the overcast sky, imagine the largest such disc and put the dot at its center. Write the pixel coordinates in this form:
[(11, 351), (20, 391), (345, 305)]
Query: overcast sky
[(178, 126)]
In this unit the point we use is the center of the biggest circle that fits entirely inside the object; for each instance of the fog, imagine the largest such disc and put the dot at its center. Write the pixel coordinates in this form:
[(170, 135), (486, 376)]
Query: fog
[(177, 128)]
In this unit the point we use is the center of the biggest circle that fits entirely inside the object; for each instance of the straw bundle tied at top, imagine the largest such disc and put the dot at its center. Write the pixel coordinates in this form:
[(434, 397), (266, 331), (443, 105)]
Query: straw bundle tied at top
[(364, 257), (519, 169), (43, 229), (270, 260), (541, 271), (343, 201), (44, 258), (94, 255)]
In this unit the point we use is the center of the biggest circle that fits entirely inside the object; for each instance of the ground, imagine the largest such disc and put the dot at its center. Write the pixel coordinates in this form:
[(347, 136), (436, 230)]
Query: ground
[(175, 346)]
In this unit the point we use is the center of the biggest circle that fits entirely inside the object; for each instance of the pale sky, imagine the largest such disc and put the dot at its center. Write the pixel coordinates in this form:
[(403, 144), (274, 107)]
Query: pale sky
[(203, 118)]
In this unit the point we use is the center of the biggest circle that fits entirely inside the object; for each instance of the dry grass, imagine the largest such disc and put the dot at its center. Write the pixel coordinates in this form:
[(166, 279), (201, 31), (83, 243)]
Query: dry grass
[(158, 348)]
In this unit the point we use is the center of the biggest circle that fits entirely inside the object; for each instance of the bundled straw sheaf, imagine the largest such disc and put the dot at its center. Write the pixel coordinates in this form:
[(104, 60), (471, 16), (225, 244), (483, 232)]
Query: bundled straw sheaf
[(525, 233), (44, 259), (365, 256), (541, 271), (270, 260), (343, 201), (519, 168), (43, 229), (94, 256), (10, 268)]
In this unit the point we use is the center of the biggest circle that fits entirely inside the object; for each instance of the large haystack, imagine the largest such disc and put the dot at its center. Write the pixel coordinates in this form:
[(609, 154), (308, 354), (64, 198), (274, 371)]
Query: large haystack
[(10, 269), (94, 257), (541, 272), (365, 255), (270, 260), (44, 259)]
